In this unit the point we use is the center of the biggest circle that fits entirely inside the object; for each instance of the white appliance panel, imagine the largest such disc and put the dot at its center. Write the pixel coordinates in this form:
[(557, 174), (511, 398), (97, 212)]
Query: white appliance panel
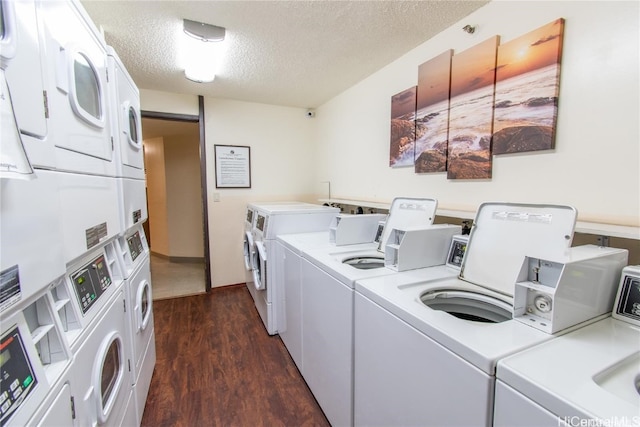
[(90, 214), (290, 315), (327, 358), (398, 370), (132, 194), (512, 409), (31, 246)]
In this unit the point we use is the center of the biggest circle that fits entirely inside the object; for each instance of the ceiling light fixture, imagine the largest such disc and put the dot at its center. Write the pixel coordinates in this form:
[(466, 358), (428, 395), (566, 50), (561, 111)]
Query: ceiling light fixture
[(202, 50)]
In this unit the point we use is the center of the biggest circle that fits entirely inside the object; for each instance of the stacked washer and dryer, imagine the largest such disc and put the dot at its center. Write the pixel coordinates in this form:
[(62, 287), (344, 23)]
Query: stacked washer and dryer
[(72, 201)]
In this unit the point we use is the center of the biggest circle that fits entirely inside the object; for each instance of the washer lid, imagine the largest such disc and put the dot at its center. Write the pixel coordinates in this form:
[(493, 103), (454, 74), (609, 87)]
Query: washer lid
[(407, 212), (504, 233)]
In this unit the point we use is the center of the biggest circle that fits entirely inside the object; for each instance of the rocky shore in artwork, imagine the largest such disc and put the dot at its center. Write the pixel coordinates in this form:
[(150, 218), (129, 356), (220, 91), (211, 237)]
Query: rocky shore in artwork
[(468, 163), (402, 138), (518, 139)]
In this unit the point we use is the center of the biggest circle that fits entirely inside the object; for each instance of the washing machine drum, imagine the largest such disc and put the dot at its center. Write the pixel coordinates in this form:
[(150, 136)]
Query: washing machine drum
[(365, 262), (466, 305)]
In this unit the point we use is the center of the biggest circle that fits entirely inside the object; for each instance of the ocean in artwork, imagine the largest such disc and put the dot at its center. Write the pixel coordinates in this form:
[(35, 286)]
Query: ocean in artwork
[(526, 108)]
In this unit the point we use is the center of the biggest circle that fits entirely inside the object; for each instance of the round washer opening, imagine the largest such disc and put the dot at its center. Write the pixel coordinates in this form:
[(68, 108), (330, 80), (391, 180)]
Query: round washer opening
[(470, 306), (365, 262)]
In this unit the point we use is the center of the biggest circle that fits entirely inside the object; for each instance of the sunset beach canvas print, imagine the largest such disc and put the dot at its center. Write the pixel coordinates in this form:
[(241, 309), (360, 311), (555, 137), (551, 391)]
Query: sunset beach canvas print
[(432, 117), (471, 111), (527, 86), (403, 113)]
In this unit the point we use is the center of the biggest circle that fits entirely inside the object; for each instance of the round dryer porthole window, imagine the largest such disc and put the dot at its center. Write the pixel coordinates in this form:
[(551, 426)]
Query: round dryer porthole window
[(86, 90), (133, 136), (108, 374)]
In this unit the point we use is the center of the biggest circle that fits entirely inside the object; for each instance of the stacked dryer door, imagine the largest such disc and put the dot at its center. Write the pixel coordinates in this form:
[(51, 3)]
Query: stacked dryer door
[(134, 257), (127, 135)]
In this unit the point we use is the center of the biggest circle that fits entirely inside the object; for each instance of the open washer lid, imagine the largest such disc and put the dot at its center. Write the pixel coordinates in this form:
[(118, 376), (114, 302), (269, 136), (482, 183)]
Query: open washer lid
[(504, 233), (408, 212)]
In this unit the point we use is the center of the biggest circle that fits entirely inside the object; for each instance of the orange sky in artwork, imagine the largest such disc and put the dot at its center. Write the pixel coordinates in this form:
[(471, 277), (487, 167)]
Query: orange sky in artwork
[(433, 80), (531, 51), (474, 68), (403, 103)]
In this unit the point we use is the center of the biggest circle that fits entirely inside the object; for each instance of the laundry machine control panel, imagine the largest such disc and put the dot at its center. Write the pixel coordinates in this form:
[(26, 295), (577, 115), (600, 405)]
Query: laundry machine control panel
[(91, 281), (135, 245), (18, 379), (627, 305)]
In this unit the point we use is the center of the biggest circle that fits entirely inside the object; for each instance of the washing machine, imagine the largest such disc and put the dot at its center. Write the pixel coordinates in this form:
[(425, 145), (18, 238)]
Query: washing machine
[(33, 360), (273, 220), (127, 134), (424, 349), (289, 258), (587, 377), (248, 245), (135, 261), (103, 392)]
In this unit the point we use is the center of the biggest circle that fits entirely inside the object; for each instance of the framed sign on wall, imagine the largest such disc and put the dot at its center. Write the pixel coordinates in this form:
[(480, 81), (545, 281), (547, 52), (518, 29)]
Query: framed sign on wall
[(233, 166)]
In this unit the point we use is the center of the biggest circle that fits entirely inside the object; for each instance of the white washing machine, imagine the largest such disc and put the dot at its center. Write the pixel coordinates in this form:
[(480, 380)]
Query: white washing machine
[(424, 349), (134, 256), (587, 377), (248, 246), (289, 258), (328, 276), (127, 134), (33, 360), (273, 220), (103, 392), (31, 250)]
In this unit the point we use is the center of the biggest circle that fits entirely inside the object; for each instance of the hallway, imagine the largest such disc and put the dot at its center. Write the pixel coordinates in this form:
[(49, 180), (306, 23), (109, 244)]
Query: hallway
[(176, 279)]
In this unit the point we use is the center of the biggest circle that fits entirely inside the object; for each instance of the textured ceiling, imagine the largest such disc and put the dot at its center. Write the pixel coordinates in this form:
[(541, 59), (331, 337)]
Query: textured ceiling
[(292, 53)]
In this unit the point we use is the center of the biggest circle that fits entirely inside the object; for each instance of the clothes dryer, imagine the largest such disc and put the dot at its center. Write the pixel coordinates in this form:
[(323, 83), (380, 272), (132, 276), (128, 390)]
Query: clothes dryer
[(273, 219), (79, 138), (422, 347), (22, 60), (127, 135)]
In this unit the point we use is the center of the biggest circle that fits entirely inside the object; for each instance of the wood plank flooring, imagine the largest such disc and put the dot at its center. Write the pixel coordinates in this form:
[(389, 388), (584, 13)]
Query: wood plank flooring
[(217, 366)]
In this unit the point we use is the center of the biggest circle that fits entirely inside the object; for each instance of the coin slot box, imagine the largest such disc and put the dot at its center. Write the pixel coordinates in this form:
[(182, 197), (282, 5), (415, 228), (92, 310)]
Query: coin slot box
[(419, 247), (552, 295), (354, 229)]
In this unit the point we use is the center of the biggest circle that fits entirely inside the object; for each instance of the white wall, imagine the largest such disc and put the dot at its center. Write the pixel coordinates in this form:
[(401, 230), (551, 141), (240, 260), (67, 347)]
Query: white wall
[(595, 164), (282, 168), (154, 159), (164, 102), (184, 195)]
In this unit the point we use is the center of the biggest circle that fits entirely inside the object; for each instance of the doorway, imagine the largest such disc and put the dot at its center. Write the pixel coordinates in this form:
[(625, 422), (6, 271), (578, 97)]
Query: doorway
[(176, 205)]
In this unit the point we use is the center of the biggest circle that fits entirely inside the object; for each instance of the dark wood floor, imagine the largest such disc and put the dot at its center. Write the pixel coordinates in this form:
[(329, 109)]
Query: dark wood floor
[(217, 366)]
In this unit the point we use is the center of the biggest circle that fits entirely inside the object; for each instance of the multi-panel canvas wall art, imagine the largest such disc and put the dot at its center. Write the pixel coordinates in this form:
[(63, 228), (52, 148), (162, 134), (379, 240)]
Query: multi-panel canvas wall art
[(432, 114), (527, 86), (403, 113), (471, 111)]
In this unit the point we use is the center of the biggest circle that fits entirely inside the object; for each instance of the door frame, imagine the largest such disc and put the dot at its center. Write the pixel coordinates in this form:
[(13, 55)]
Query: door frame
[(203, 174)]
